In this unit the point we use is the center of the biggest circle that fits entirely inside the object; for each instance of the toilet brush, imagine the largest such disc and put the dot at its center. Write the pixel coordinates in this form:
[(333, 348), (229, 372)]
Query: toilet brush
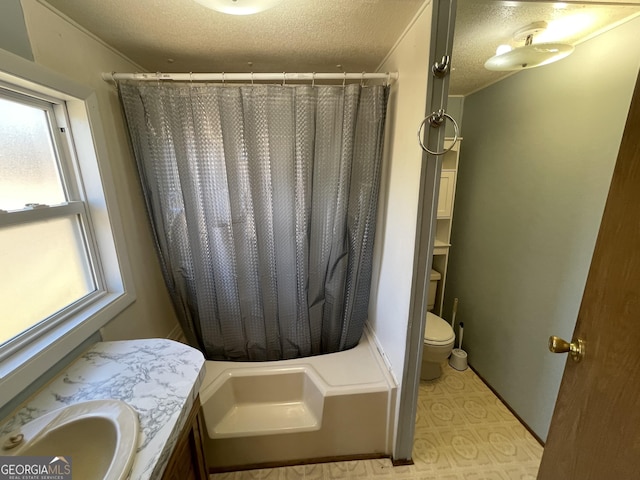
[(458, 358), (454, 312)]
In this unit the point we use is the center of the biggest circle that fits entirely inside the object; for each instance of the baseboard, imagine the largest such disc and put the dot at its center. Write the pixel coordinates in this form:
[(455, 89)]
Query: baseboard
[(513, 412), (294, 463), (401, 462), (177, 334)]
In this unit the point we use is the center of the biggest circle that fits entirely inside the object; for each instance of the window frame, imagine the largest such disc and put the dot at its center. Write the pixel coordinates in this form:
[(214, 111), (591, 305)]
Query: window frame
[(74, 206), (92, 196)]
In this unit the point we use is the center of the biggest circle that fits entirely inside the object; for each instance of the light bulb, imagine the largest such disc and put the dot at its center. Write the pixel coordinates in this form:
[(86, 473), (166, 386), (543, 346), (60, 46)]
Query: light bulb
[(239, 7), (503, 49)]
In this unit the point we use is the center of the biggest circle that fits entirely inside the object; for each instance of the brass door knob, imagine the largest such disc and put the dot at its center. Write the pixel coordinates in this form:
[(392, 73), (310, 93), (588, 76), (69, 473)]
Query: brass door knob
[(575, 349)]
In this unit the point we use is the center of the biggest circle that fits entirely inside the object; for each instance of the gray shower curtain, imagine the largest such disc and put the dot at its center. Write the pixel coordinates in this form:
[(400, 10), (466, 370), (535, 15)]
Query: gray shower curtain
[(263, 204)]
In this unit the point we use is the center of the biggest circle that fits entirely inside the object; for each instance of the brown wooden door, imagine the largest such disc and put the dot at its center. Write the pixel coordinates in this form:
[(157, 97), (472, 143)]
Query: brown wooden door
[(595, 429)]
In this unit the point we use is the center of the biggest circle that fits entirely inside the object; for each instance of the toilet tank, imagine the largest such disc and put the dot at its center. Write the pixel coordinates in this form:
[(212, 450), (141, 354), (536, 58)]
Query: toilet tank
[(433, 287)]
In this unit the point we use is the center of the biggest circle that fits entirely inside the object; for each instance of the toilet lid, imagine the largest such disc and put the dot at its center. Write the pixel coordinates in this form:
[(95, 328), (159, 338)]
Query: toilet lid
[(438, 331)]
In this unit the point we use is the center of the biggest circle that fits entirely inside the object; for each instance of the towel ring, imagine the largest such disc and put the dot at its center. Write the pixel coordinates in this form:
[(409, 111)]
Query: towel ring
[(435, 120)]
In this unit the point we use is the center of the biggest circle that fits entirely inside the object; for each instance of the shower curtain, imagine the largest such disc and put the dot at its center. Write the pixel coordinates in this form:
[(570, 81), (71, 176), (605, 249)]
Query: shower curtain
[(262, 199)]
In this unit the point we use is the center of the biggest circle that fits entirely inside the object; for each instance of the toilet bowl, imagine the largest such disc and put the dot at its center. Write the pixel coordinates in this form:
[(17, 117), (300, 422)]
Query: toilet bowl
[(438, 343)]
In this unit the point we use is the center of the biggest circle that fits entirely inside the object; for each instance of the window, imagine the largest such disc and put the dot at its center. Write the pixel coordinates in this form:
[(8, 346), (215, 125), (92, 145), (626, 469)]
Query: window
[(64, 271), (49, 268)]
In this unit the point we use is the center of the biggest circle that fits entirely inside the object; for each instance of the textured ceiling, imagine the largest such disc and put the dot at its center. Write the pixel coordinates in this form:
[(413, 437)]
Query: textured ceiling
[(482, 25), (293, 36), (316, 35)]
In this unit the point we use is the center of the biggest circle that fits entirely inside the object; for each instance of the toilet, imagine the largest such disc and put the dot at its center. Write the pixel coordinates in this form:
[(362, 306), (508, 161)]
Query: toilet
[(438, 343)]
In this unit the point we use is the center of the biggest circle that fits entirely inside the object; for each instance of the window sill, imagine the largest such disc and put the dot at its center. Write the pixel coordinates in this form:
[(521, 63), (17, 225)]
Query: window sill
[(24, 367)]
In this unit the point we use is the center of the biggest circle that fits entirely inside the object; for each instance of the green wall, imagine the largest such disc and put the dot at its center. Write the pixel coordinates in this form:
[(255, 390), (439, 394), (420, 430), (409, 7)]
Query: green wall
[(455, 107), (536, 162), (13, 32)]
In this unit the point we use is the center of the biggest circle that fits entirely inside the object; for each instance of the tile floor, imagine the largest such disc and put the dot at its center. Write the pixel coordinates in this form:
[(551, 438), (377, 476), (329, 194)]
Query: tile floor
[(463, 432)]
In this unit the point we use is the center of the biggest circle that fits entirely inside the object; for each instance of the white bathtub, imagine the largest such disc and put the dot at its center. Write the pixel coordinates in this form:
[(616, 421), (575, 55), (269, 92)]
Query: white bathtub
[(335, 406)]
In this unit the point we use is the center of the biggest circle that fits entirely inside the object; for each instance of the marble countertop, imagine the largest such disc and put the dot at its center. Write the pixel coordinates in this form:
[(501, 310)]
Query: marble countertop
[(159, 378)]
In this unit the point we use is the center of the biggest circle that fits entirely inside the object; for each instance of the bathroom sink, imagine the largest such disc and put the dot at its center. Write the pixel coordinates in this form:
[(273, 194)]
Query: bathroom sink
[(98, 437)]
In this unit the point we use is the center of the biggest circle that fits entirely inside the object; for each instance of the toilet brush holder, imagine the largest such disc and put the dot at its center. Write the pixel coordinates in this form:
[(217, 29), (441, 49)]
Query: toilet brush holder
[(458, 359)]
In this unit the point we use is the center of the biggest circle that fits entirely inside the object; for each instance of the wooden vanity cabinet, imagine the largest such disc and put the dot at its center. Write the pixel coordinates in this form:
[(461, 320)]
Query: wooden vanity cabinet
[(187, 462)]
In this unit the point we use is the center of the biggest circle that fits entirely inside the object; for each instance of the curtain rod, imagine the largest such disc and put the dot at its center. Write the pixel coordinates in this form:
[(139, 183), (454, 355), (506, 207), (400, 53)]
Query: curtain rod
[(388, 77)]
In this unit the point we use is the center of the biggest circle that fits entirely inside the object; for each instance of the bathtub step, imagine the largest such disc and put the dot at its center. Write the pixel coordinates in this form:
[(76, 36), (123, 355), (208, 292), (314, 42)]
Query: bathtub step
[(249, 419)]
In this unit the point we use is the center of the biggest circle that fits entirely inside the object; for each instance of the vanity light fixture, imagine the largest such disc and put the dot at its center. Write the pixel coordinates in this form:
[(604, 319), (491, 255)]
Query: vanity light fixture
[(239, 7), (531, 54)]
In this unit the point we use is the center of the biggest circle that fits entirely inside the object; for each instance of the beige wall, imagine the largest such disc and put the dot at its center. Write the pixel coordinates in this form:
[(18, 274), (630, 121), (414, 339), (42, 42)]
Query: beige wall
[(399, 191), (13, 33), (61, 46), (536, 162)]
